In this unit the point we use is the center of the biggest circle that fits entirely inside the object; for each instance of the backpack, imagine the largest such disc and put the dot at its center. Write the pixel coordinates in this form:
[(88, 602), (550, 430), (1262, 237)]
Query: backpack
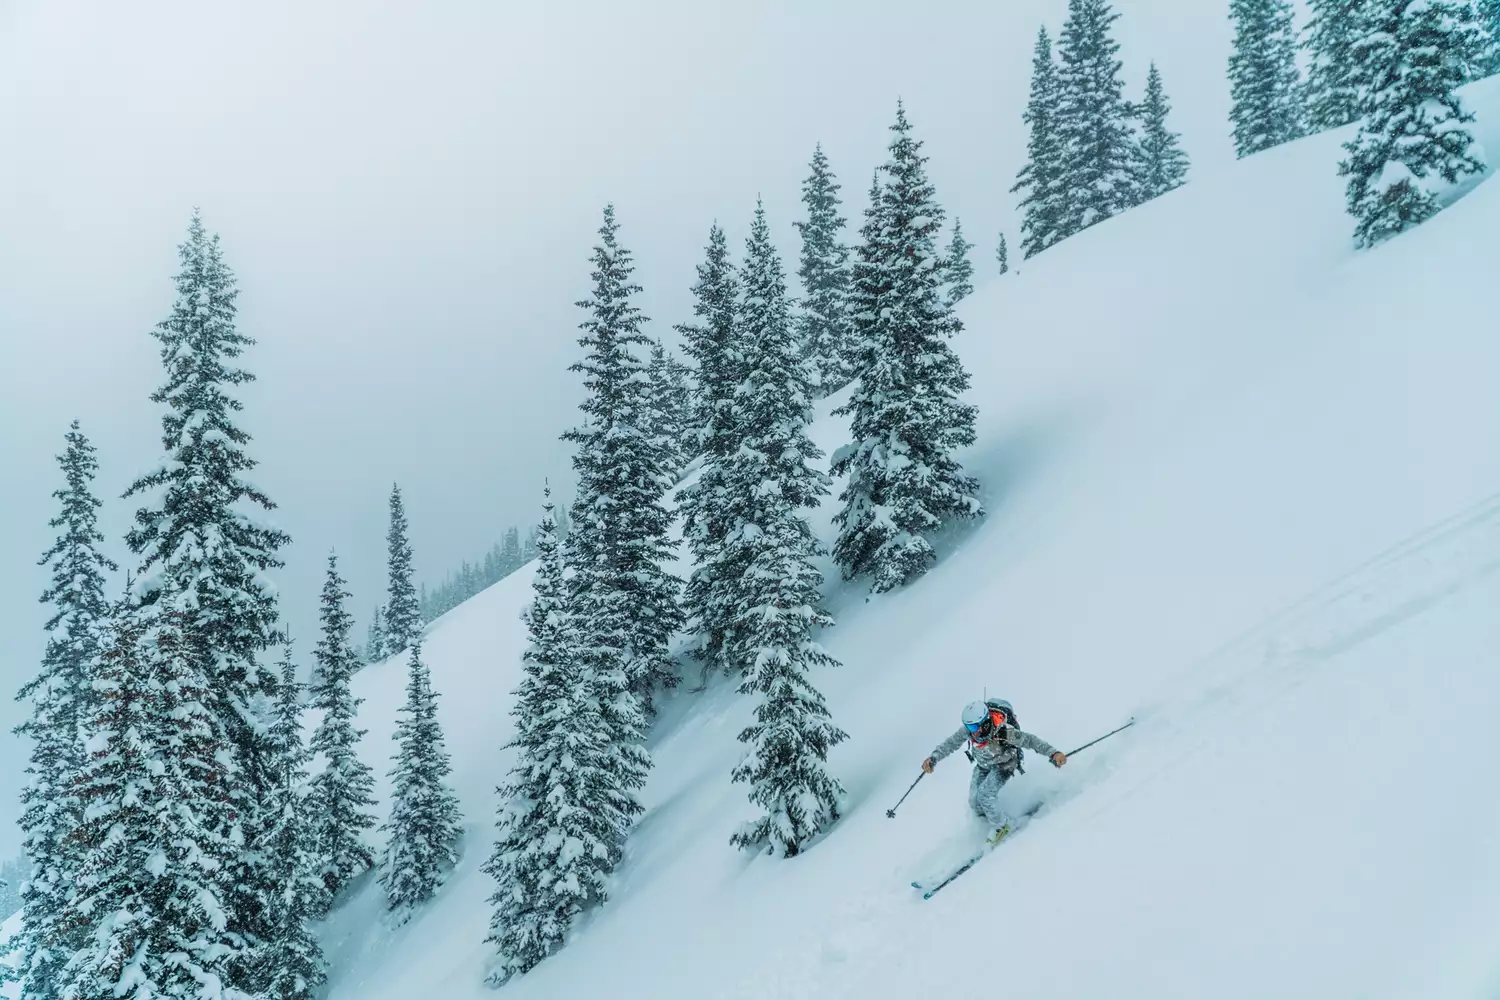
[(1010, 720)]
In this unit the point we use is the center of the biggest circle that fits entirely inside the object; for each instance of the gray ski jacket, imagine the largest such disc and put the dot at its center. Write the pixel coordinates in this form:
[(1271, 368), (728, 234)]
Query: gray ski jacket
[(1003, 750)]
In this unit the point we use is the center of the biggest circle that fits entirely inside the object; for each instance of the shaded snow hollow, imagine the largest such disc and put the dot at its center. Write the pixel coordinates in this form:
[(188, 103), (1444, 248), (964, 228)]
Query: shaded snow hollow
[(1243, 485)]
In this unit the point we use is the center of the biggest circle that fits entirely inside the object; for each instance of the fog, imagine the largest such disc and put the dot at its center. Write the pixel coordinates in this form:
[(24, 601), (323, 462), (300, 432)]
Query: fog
[(408, 194)]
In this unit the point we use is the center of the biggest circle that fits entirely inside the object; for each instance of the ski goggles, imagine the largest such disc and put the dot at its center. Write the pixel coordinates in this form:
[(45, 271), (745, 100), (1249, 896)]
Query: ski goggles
[(997, 718)]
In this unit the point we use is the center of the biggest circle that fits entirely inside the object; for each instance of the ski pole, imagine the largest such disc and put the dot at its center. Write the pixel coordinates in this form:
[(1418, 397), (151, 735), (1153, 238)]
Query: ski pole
[(891, 812), (1100, 739)]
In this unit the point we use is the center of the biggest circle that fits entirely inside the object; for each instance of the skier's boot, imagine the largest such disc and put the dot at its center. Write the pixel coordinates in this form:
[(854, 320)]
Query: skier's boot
[(998, 835)]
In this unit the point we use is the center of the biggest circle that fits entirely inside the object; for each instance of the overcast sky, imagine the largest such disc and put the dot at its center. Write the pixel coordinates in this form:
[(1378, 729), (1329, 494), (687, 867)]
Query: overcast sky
[(408, 194)]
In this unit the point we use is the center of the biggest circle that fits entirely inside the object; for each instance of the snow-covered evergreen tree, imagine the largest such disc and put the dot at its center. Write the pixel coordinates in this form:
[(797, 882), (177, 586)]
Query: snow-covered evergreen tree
[(1415, 144), (823, 319), (403, 615), (292, 966), (1263, 80), (62, 699), (709, 341), (960, 268), (1334, 91), (151, 915), (1093, 121), (625, 598), (198, 537), (375, 638), (775, 594), (1161, 165), (907, 420), (569, 800), (1002, 256), (714, 343), (424, 826), (341, 795), (1487, 62), (1043, 196)]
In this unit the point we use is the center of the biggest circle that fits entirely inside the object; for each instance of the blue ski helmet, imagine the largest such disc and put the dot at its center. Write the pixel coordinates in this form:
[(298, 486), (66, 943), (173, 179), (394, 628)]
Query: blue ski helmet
[(975, 714)]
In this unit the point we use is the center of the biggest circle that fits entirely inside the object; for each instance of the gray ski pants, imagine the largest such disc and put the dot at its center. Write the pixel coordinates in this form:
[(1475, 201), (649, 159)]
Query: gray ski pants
[(984, 795)]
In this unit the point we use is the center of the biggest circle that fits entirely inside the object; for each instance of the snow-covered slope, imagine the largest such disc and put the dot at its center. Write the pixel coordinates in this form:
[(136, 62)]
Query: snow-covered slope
[(1244, 485)]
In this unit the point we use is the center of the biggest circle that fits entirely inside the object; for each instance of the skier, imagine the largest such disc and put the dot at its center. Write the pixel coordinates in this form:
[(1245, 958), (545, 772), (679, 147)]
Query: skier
[(995, 746)]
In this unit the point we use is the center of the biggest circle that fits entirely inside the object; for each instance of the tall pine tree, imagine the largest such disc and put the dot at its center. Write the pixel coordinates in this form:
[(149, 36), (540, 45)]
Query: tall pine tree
[(423, 830), (153, 917), (1002, 256), (960, 268), (625, 598), (198, 537), (907, 420), (1093, 121), (341, 794), (566, 803), (62, 699), (1414, 145), (709, 342), (1334, 91), (823, 320), (1263, 76), (292, 961), (403, 614), (1040, 182), (1161, 165), (776, 601)]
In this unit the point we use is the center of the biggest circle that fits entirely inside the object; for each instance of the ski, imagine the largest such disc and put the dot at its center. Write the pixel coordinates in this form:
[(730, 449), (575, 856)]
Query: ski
[(928, 893), (1021, 824)]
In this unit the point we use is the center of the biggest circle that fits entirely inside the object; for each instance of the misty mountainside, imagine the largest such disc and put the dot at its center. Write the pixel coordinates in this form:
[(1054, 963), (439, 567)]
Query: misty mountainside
[(1243, 485)]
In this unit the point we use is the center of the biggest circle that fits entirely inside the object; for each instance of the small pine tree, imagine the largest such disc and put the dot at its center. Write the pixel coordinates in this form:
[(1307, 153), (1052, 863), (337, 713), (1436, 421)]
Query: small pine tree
[(342, 793), (907, 420), (709, 342), (1334, 91), (823, 320), (960, 268), (680, 394), (292, 961), (1414, 145), (1093, 121), (511, 558), (1263, 76), (626, 598), (775, 597), (151, 916), (375, 638), (1002, 256), (424, 827), (1161, 165), (567, 803), (403, 615), (1044, 197), (62, 699), (666, 413)]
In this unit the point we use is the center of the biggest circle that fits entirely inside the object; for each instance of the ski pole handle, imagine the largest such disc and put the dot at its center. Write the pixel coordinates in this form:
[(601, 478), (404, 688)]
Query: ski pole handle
[(891, 812), (1100, 739)]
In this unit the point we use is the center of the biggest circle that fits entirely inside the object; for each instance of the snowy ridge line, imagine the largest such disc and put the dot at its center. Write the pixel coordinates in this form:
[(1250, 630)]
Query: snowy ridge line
[(1261, 667)]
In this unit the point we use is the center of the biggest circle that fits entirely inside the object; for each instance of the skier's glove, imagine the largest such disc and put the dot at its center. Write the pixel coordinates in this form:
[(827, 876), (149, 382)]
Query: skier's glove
[(1059, 759), (928, 765)]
